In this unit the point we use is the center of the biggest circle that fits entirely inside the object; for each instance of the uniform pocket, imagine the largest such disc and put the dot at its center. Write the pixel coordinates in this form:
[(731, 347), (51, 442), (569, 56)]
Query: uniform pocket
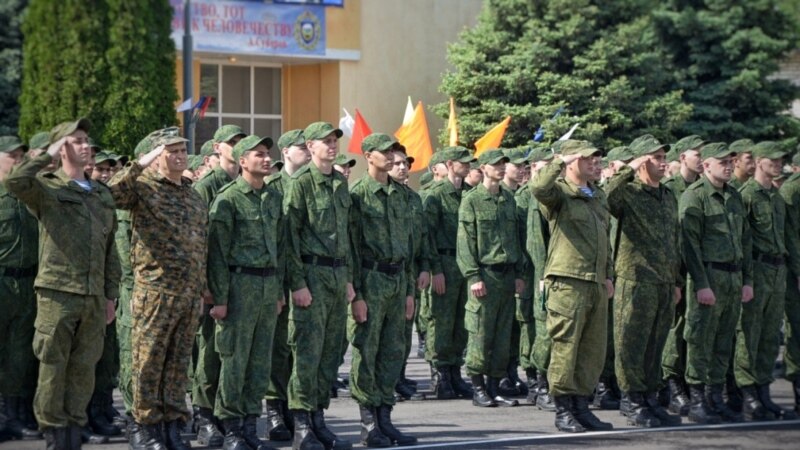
[(472, 316), (525, 309), (562, 310), (43, 346)]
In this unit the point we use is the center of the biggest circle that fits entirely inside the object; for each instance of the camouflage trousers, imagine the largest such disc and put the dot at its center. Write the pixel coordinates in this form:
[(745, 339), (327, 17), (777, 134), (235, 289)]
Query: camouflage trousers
[(67, 342), (608, 364), (710, 329), (791, 356), (107, 368), (205, 381), (124, 323), (542, 344), (18, 364), (576, 323), (422, 313), (281, 367), (488, 321), (315, 337), (164, 326), (378, 344), (244, 343), (527, 322), (673, 359), (759, 329), (446, 336), (642, 316)]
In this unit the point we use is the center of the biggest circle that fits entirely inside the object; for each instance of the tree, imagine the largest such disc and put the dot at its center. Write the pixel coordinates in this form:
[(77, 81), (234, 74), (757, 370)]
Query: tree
[(724, 52), (10, 63), (141, 60), (597, 61)]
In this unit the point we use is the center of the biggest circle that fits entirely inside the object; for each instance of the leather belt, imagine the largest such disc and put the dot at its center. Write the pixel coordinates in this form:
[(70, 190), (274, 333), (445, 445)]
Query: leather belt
[(725, 267), (256, 271), (500, 268), (388, 268), (15, 272), (323, 261), (769, 259)]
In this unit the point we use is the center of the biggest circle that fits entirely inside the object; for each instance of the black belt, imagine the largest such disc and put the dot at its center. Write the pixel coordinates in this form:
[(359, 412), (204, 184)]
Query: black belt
[(447, 251), (323, 261), (769, 259), (257, 271), (14, 272), (726, 267), (388, 268), (500, 268)]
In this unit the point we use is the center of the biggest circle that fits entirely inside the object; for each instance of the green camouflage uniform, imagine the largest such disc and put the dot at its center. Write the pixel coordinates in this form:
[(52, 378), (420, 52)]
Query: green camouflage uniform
[(420, 261), (380, 230), (536, 243), (247, 235), (124, 320), (78, 271), (717, 253), (168, 256), (790, 191), (525, 304), (647, 266)]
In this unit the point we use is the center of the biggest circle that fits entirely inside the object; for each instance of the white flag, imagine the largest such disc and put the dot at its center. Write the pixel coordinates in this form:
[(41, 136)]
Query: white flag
[(346, 124), (409, 115), (185, 106), (569, 133)]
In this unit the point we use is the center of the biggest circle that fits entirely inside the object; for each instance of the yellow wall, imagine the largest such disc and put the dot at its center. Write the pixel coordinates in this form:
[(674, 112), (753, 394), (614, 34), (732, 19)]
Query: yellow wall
[(311, 93), (342, 26)]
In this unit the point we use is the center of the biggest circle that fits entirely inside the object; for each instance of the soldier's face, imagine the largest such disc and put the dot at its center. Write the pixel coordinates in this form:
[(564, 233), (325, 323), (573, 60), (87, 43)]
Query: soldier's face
[(257, 161), (439, 171), (399, 170), (7, 161), (597, 168), (656, 165), (383, 161), (344, 170), (459, 168), (211, 161), (771, 167), (102, 171), (474, 177), (225, 149), (174, 158), (744, 163), (719, 169), (513, 172), (691, 158), (76, 149), (297, 155), (324, 149), (494, 172)]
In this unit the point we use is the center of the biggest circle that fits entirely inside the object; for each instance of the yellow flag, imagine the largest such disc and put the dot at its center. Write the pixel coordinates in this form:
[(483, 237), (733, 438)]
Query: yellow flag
[(416, 139), (492, 138), (452, 126)]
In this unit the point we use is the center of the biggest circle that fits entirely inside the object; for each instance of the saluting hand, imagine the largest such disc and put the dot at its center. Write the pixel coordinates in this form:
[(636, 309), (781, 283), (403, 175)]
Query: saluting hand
[(151, 156), (568, 159), (638, 162), (747, 293), (54, 149)]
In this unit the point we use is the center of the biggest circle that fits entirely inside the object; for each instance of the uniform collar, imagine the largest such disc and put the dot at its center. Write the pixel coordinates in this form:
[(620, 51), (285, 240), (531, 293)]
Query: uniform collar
[(72, 184)]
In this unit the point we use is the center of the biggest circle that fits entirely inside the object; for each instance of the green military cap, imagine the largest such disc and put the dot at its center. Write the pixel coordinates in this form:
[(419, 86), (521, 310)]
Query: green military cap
[(673, 155), (290, 138), (94, 145), (195, 161), (796, 159), (343, 160), (460, 154), (645, 145), (691, 142), (556, 147), (40, 140), (278, 165), (436, 158), (167, 136), (769, 150), (474, 165), (493, 156), (103, 156), (120, 159), (575, 147), (541, 154), (144, 146), (249, 143), (227, 132), (716, 150), (516, 155), (425, 179), (10, 143), (621, 153), (207, 149), (378, 142), (64, 129), (319, 130), (742, 146)]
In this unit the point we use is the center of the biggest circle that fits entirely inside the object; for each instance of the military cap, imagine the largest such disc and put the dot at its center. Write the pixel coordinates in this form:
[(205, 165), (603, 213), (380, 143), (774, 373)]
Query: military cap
[(742, 146), (319, 130), (716, 150), (474, 165), (410, 160), (460, 154), (120, 159), (425, 179), (167, 136), (227, 132), (796, 159), (492, 156), (10, 143), (575, 147), (94, 145), (621, 153), (691, 142), (64, 129), (103, 156), (645, 145), (379, 142), (144, 146), (673, 155), (541, 154), (516, 155), (343, 160), (556, 147), (249, 143), (769, 150), (207, 149), (277, 165), (195, 161), (290, 138), (436, 158), (40, 140)]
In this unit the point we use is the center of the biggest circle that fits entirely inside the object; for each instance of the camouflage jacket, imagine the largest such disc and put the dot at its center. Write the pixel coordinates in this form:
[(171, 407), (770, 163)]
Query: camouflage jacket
[(790, 191), (419, 230), (441, 212), (766, 212), (211, 183), (19, 233)]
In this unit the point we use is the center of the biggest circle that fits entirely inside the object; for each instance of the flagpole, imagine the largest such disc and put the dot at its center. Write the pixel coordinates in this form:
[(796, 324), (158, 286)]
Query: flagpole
[(188, 126)]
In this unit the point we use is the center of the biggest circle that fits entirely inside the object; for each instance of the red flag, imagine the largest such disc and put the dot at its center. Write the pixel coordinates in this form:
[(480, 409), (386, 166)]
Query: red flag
[(360, 131)]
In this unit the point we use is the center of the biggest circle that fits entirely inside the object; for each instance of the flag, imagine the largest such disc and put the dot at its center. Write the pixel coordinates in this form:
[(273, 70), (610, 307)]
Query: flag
[(492, 138), (360, 131), (346, 124), (569, 133), (452, 126), (185, 106), (416, 139), (199, 109), (409, 114)]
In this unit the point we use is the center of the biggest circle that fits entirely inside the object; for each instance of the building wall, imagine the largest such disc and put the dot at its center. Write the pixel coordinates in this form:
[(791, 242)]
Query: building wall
[(790, 70)]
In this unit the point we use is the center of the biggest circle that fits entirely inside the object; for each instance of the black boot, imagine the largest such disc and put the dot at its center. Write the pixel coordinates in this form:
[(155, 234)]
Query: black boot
[(234, 435), (27, 417), (388, 429), (752, 409), (544, 400), (134, 435), (479, 395), (699, 411), (288, 417), (76, 437), (276, 428), (638, 412), (146, 437), (443, 387), (14, 425), (733, 393), (508, 385), (460, 387), (604, 397), (717, 404), (251, 435), (403, 391), (304, 437), (494, 392), (325, 435), (89, 437), (208, 435), (565, 421), (796, 389), (174, 440), (56, 438), (407, 381), (766, 400), (679, 402), (658, 410), (98, 422), (371, 435), (513, 375), (580, 410), (533, 387)]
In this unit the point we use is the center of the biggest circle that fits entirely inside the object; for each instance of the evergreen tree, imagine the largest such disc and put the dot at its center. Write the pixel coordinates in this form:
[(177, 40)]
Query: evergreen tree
[(10, 63), (141, 59), (597, 60)]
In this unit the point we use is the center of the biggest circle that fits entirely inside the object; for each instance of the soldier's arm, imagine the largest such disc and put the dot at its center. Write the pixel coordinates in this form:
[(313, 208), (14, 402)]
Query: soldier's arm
[(296, 216), (123, 186), (220, 240), (432, 209), (618, 190), (410, 265), (355, 243), (203, 187), (113, 271), (747, 253), (467, 250), (22, 182), (282, 245), (791, 199), (691, 218), (544, 188)]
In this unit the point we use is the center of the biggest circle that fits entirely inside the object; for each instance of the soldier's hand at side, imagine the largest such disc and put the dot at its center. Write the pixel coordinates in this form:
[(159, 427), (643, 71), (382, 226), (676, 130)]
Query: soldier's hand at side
[(302, 297), (219, 312), (281, 305), (351, 293), (519, 286), (678, 294), (423, 280), (438, 284), (706, 296), (151, 156), (409, 307), (54, 148), (747, 293), (208, 299), (110, 311), (478, 289), (609, 288), (359, 310)]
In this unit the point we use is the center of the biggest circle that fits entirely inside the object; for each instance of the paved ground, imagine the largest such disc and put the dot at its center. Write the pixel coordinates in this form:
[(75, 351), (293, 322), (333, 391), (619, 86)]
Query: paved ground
[(458, 424)]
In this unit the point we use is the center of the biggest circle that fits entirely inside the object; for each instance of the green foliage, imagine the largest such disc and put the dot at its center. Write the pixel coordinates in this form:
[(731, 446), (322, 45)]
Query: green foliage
[(10, 63)]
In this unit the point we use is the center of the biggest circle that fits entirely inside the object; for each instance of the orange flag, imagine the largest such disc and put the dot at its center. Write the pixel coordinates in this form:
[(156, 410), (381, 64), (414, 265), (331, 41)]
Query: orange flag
[(452, 126), (360, 131), (492, 138), (416, 139)]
